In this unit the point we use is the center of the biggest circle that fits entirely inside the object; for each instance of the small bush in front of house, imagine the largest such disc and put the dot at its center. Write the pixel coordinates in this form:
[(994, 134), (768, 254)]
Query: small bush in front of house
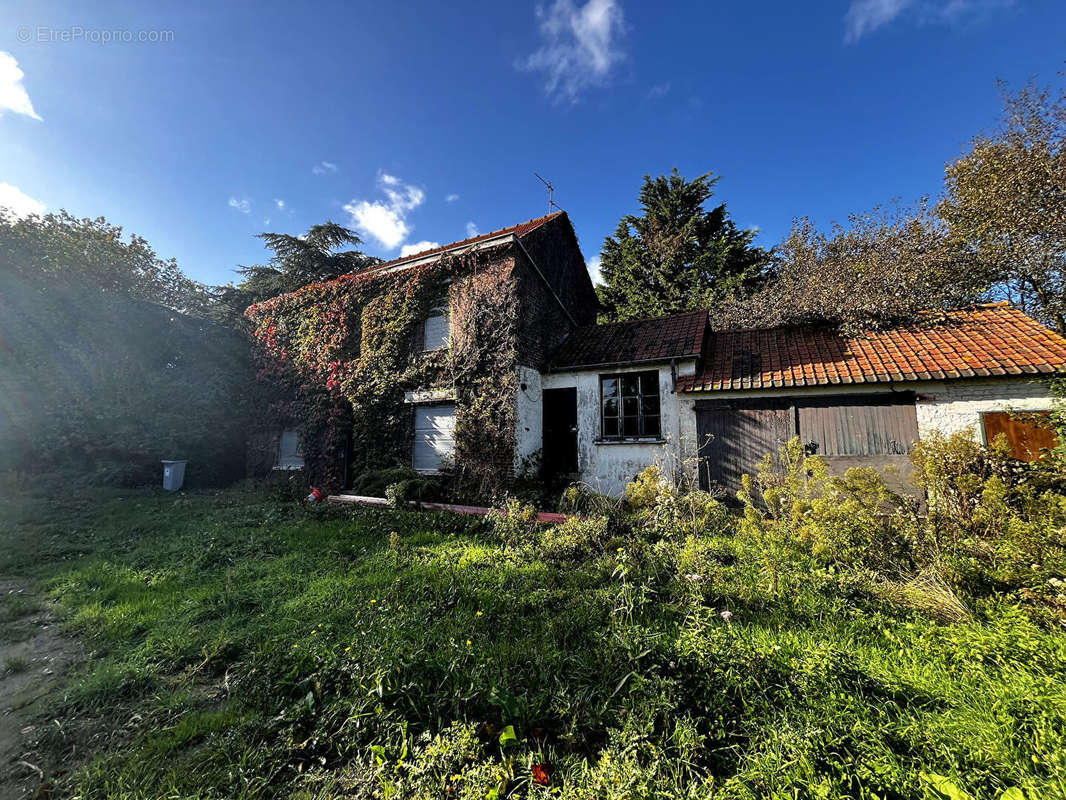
[(576, 539), (374, 482), (516, 524)]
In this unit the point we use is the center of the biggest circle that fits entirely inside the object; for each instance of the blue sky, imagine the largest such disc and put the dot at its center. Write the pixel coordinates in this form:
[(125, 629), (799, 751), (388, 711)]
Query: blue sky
[(422, 122)]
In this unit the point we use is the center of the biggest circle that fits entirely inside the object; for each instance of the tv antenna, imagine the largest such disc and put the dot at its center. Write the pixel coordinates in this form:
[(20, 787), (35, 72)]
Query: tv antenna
[(551, 193)]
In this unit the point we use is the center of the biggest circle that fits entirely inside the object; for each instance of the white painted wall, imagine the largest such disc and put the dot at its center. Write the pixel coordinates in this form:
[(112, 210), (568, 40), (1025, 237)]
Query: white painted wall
[(529, 419), (609, 466), (957, 405)]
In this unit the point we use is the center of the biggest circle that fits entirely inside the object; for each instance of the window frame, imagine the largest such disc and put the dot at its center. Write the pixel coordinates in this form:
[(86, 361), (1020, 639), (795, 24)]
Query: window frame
[(287, 462), (441, 309), (639, 399)]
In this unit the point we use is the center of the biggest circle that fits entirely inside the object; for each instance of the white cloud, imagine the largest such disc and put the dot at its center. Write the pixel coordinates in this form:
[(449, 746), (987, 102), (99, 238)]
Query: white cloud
[(866, 16), (579, 46), (593, 266), (471, 230), (280, 204), (659, 90), (417, 247), (451, 198), (387, 221), (244, 205), (13, 96), (18, 202), (322, 167)]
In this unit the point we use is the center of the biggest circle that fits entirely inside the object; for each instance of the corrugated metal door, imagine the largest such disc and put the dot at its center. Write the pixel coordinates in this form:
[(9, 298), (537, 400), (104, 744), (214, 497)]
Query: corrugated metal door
[(434, 436), (862, 431), (734, 437)]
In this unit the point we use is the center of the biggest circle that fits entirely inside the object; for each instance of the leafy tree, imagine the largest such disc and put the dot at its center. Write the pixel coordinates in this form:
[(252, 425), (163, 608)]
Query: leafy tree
[(108, 358), (677, 256), (883, 268), (62, 250), (1006, 202), (297, 261)]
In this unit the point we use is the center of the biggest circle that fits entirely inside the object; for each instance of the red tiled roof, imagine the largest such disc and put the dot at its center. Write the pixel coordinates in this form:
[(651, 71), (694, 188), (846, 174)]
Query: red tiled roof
[(653, 339), (519, 230), (983, 341)]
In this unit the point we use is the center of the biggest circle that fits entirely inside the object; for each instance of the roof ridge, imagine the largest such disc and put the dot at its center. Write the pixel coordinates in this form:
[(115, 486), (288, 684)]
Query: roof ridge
[(527, 227)]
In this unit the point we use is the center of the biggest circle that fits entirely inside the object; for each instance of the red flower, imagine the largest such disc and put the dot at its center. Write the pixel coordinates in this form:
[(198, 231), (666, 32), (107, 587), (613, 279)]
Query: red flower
[(542, 774)]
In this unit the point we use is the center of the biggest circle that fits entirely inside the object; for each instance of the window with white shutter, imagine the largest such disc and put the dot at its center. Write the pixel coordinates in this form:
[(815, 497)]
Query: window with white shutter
[(434, 437), (437, 329)]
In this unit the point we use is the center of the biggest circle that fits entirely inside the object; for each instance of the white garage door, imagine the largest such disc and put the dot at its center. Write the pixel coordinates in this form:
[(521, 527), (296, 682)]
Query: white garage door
[(434, 437)]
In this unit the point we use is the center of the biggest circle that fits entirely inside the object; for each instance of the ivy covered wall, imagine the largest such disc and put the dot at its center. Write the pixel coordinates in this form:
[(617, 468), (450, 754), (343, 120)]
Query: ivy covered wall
[(336, 359)]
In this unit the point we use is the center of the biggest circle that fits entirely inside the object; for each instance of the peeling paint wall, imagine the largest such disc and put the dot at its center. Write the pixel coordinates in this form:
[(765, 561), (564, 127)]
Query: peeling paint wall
[(609, 466), (529, 420)]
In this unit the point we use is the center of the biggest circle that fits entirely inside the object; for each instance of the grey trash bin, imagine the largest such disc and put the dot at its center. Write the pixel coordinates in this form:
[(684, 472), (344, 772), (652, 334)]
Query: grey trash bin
[(173, 475)]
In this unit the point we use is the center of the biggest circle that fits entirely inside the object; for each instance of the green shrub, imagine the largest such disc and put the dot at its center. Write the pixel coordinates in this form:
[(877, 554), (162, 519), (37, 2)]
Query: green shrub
[(374, 482), (516, 524), (575, 539), (665, 508)]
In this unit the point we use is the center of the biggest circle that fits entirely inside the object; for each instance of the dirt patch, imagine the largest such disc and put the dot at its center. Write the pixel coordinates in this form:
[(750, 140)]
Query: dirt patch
[(34, 658)]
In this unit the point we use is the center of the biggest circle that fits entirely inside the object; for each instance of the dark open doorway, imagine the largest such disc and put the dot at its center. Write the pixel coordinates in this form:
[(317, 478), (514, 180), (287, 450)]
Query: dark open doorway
[(560, 432)]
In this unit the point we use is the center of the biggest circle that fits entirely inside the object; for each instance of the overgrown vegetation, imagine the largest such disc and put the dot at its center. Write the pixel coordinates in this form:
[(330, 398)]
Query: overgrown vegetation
[(111, 359), (829, 642)]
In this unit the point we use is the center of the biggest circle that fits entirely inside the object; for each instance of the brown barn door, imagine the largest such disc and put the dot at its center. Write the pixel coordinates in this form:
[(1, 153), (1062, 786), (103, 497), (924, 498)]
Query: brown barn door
[(877, 430), (734, 437), (560, 432)]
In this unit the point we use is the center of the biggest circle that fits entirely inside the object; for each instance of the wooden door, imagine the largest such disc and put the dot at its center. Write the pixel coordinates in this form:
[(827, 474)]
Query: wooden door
[(560, 432), (734, 437)]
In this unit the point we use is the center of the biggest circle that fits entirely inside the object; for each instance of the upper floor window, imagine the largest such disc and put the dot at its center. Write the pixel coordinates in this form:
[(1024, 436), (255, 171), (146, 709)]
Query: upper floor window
[(437, 329), (629, 406)]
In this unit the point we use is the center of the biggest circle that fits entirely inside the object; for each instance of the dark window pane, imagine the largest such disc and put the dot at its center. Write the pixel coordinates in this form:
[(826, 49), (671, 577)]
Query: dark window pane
[(610, 426), (649, 383), (630, 426), (651, 404), (630, 406), (630, 385), (651, 426), (609, 386), (610, 407)]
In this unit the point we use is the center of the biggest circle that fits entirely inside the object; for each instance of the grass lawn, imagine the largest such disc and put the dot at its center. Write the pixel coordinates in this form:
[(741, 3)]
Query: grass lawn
[(243, 646)]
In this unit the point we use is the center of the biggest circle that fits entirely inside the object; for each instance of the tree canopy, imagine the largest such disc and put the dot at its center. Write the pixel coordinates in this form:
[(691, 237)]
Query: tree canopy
[(298, 261), (677, 256), (882, 268), (1005, 203)]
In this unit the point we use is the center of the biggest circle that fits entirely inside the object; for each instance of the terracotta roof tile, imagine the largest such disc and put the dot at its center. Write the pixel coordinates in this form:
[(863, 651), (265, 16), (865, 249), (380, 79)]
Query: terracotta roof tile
[(986, 340), (653, 339)]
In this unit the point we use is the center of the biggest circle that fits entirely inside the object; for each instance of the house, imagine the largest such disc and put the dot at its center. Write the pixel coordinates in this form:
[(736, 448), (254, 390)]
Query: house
[(599, 403)]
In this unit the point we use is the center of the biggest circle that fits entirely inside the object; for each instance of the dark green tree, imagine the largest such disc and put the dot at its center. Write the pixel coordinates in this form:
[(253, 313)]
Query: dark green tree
[(677, 256), (297, 261)]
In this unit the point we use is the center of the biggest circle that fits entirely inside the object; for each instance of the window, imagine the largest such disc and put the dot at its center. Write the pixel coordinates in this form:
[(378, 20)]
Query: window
[(437, 329), (629, 406), (434, 437), (290, 452)]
